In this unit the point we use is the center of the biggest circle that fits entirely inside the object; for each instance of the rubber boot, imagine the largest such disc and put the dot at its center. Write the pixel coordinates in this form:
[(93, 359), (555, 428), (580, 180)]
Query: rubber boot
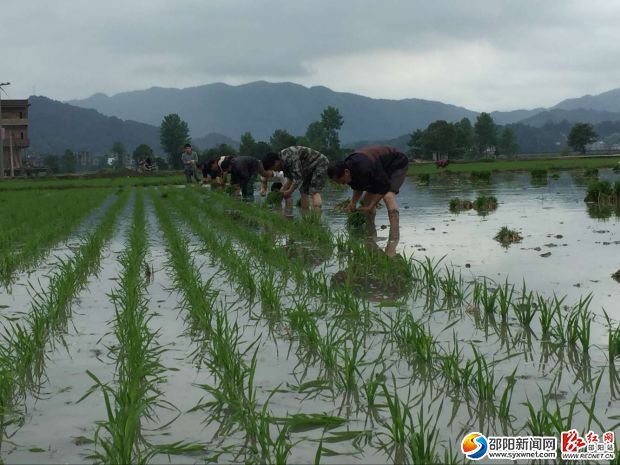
[(394, 217)]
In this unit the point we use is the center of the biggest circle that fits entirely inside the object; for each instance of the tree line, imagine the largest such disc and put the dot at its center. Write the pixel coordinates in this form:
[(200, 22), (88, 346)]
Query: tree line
[(483, 139), (321, 135), (440, 139)]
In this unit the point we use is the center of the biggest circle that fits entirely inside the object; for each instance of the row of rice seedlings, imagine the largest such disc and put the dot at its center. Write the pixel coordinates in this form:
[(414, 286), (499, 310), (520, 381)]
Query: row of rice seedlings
[(238, 266), (119, 439), (23, 348), (308, 227), (261, 244), (197, 297), (32, 222), (234, 399), (270, 288)]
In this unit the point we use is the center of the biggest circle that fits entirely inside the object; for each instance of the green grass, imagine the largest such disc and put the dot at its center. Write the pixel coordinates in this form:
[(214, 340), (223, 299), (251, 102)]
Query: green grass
[(519, 165), (92, 180)]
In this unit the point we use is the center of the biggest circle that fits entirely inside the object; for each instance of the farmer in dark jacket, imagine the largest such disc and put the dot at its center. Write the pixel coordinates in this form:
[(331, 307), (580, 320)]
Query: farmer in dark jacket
[(243, 172), (376, 173)]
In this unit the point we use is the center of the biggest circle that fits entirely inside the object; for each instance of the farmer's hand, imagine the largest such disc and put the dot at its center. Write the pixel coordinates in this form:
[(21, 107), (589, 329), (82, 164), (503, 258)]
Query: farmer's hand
[(263, 192), (350, 208), (287, 193)]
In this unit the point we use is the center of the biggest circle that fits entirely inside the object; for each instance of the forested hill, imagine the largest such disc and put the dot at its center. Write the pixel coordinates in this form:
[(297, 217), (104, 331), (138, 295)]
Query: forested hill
[(57, 126)]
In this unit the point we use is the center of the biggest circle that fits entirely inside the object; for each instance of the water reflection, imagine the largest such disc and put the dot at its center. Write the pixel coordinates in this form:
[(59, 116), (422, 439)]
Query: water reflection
[(602, 212)]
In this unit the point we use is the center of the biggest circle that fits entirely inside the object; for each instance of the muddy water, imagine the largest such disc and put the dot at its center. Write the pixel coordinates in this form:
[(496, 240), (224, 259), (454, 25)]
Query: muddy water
[(553, 219)]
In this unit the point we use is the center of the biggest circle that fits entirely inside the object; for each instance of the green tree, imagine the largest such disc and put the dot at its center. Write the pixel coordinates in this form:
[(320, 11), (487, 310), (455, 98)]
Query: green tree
[(281, 139), (507, 144), (161, 163), (119, 152), (51, 162), (68, 162), (142, 152), (464, 138), (581, 134), (262, 148), (486, 133), (173, 134), (440, 139), (220, 150), (416, 144), (316, 136), (332, 121), (247, 144)]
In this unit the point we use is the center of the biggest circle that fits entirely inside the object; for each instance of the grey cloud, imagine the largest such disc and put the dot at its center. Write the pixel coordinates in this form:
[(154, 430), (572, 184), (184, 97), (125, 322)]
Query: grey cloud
[(123, 45)]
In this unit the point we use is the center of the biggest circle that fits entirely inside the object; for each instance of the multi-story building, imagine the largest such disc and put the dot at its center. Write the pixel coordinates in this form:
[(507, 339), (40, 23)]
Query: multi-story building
[(14, 122)]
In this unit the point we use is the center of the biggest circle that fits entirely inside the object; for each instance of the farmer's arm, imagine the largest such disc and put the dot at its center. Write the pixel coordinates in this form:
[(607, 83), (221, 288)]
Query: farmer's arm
[(354, 199)]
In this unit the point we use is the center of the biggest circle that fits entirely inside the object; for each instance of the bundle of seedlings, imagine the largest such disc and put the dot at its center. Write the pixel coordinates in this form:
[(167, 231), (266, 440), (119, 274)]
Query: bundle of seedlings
[(357, 220), (602, 192), (485, 204), (616, 276), (457, 205), (274, 198), (507, 236)]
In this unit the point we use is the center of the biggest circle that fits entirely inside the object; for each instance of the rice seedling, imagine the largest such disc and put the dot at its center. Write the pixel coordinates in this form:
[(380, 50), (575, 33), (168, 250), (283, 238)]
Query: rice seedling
[(578, 329), (503, 411), (269, 289), (504, 299), (422, 440), (487, 297), (352, 361), (413, 340), (397, 427), (524, 307), (481, 176), (507, 236), (452, 287)]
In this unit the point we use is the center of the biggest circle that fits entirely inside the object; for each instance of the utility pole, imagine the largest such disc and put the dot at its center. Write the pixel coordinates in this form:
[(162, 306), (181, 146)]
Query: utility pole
[(2, 131)]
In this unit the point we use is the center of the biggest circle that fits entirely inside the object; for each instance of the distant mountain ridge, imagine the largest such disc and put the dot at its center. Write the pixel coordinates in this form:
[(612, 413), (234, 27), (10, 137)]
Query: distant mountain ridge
[(261, 107)]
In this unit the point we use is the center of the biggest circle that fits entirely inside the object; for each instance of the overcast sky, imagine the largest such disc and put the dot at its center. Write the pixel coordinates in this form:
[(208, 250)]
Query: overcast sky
[(482, 54)]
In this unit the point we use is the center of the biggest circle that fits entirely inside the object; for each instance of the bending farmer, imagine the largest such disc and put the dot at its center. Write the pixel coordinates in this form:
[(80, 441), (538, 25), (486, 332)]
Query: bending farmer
[(376, 172), (304, 168), (243, 172)]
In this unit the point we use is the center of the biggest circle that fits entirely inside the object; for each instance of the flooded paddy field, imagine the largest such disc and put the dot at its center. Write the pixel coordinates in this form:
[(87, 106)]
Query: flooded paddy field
[(180, 325)]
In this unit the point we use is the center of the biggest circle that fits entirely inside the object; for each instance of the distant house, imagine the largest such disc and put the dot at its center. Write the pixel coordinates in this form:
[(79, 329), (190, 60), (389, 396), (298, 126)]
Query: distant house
[(14, 122)]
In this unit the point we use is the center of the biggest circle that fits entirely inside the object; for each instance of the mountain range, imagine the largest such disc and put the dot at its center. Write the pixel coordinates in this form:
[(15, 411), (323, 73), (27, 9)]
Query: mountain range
[(220, 113)]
